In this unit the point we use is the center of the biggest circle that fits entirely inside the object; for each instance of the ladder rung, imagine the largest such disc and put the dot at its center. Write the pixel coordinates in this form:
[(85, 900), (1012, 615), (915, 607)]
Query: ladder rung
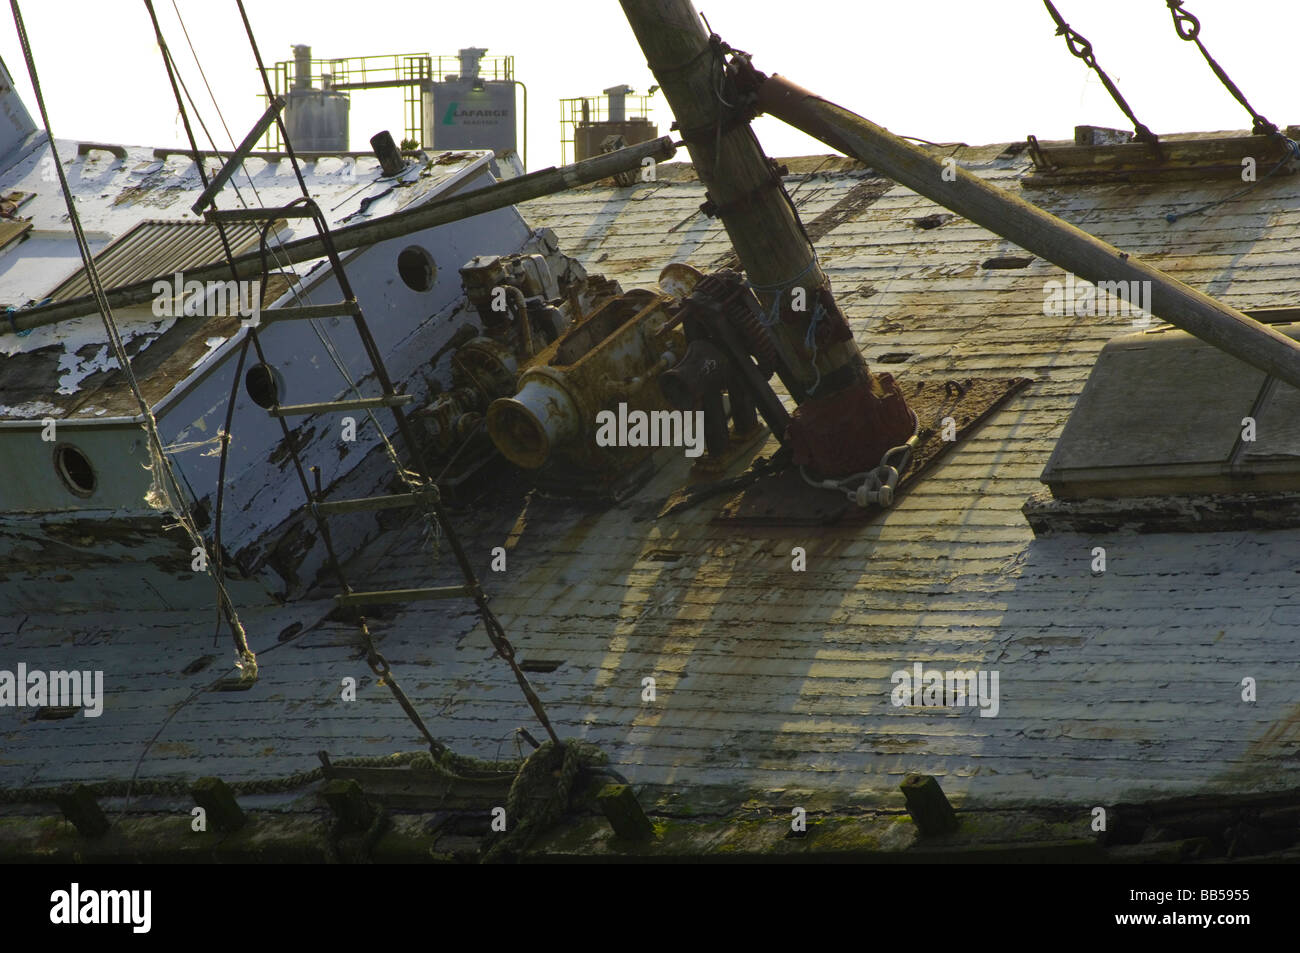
[(229, 215), (299, 410), (239, 155), (376, 502), (401, 595), (312, 311)]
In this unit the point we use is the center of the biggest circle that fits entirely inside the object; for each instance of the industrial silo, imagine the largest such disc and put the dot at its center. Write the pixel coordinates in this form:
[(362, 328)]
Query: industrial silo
[(473, 108), (586, 122), (316, 119)]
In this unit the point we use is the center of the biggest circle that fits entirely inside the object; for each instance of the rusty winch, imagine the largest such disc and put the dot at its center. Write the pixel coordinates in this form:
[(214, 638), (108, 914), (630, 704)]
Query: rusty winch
[(589, 410)]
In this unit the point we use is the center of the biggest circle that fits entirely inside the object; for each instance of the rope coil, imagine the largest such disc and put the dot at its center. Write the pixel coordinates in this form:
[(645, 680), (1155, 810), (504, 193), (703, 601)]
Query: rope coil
[(540, 793)]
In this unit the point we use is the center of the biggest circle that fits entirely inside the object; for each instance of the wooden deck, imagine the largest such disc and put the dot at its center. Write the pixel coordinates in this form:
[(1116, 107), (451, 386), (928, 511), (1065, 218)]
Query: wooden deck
[(1114, 685)]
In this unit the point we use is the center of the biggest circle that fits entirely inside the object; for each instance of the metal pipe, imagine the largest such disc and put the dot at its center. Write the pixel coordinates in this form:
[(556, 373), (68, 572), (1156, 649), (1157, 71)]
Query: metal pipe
[(522, 328), (239, 155), (525, 89), (1028, 226), (301, 66), (437, 212), (390, 159)]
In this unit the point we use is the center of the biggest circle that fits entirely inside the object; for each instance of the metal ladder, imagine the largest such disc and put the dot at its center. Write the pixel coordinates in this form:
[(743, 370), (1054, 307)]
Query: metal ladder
[(422, 490)]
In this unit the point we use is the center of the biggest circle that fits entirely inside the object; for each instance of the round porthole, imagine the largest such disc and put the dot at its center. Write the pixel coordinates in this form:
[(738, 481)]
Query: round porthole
[(416, 268), (264, 385), (74, 469)]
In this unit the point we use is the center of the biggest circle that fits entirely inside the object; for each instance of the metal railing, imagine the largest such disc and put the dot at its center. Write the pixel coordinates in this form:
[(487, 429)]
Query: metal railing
[(583, 110), (407, 71)]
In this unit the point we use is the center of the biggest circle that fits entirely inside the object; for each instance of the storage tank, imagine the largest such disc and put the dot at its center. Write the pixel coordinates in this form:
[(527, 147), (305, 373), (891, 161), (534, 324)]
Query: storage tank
[(466, 111), (316, 119), (589, 132)]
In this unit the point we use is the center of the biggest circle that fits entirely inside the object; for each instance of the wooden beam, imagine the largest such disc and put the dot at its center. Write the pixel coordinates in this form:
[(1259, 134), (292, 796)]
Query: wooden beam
[(1030, 227), (744, 190), (240, 154)]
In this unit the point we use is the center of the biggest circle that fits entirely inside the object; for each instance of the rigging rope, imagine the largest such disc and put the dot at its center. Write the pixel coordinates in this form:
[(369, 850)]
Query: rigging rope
[(1189, 29), (1081, 48), (166, 491), (275, 251), (173, 76), (378, 664), (211, 95), (495, 632)]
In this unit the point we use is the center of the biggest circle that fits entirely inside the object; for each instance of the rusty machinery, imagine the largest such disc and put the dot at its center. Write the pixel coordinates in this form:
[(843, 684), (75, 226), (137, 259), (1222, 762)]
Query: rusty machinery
[(701, 348), (522, 308), (613, 358), (849, 425), (730, 349), (701, 345)]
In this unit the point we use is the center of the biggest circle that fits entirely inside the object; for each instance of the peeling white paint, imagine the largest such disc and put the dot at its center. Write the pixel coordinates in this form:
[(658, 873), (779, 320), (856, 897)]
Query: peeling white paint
[(212, 344)]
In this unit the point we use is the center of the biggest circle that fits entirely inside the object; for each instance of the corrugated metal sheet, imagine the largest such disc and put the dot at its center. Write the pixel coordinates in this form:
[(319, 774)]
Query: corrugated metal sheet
[(154, 248)]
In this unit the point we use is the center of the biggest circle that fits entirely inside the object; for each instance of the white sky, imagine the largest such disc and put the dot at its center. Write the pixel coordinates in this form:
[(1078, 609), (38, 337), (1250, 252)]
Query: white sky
[(977, 71)]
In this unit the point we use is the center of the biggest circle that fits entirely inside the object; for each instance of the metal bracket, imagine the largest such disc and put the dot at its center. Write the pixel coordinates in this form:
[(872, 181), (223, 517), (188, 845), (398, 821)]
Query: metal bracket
[(1036, 153)]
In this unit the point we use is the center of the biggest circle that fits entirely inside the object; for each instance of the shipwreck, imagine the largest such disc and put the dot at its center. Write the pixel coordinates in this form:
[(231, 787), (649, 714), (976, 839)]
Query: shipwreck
[(921, 501)]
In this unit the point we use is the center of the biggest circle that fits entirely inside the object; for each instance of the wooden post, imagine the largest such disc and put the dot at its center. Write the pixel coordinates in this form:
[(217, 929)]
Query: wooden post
[(624, 812), (218, 801), (1028, 226), (82, 809), (928, 805), (349, 804)]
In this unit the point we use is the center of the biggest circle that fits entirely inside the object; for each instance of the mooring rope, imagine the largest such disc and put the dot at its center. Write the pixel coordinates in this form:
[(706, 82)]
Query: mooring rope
[(166, 492)]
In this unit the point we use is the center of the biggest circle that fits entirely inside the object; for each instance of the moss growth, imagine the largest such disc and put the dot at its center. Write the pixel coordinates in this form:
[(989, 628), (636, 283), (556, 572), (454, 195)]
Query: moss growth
[(749, 836)]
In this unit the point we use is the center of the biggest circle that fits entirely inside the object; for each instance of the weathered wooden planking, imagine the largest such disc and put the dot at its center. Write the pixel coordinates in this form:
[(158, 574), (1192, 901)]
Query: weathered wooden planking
[(787, 500), (1176, 160), (769, 680)]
